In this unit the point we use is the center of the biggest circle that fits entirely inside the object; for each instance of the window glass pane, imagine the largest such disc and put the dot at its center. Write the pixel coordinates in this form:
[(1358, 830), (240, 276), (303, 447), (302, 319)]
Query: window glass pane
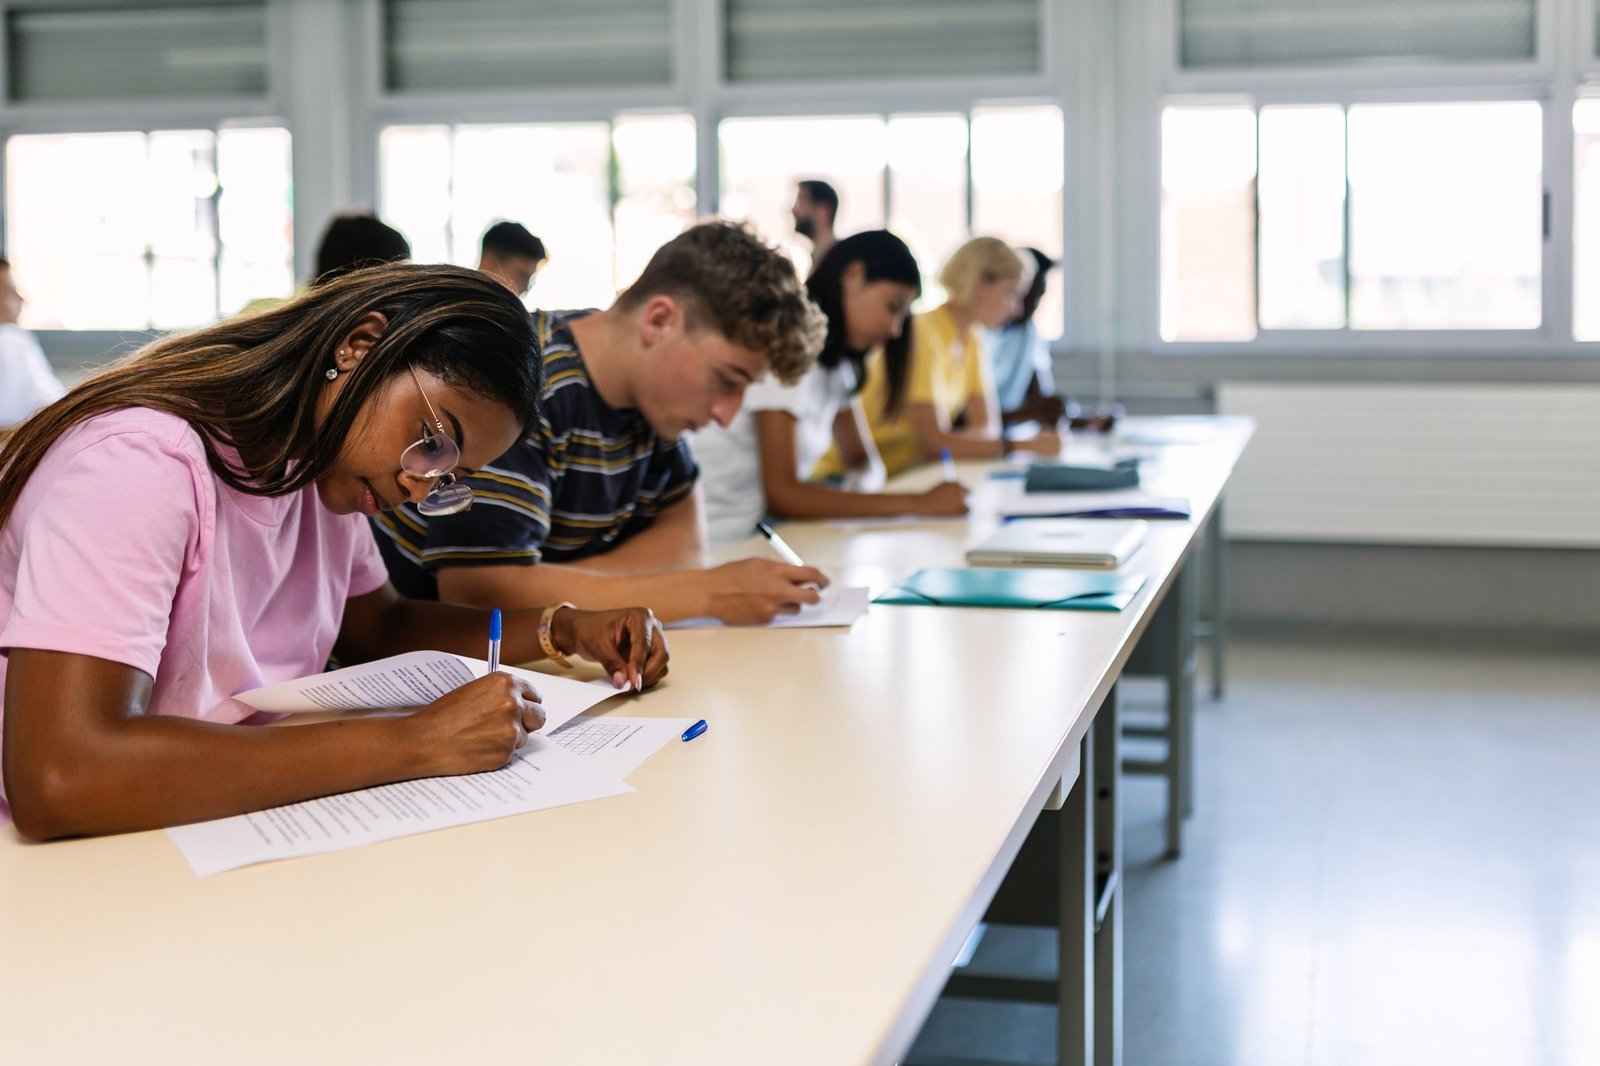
[(1302, 218), (255, 216), (655, 186), (1445, 216), (121, 230), (48, 209), (443, 186), (82, 213), (555, 180), (1208, 172), (119, 298), (762, 158), (928, 190), (183, 292), (414, 188), (1586, 220), (1017, 178), (180, 181)]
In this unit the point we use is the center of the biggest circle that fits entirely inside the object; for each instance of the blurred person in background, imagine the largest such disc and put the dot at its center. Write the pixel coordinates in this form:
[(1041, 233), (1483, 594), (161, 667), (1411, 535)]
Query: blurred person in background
[(759, 464), (511, 255), (348, 243), (950, 403), (354, 241), (26, 381), (816, 205), (1023, 381)]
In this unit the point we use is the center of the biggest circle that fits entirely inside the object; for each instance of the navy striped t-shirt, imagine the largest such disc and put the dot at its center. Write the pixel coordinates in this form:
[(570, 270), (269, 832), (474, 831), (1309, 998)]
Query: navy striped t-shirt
[(586, 479)]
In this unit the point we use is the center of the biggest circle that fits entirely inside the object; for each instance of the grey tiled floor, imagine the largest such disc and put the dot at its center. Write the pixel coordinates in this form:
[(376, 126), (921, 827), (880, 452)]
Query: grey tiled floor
[(1394, 859)]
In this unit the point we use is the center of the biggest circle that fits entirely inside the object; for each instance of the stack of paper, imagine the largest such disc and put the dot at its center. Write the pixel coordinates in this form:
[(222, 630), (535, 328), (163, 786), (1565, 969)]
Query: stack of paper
[(570, 760)]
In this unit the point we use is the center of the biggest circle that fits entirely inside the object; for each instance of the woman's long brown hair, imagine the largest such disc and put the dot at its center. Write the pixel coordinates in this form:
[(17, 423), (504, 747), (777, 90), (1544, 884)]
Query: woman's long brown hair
[(251, 382)]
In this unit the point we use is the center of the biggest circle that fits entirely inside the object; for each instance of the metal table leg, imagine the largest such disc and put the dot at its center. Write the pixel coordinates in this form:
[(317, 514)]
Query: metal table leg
[(1105, 739), (1180, 707), (1218, 623)]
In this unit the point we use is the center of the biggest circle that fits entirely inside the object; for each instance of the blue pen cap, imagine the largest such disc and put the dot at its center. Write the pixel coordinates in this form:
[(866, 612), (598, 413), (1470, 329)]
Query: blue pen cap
[(494, 624)]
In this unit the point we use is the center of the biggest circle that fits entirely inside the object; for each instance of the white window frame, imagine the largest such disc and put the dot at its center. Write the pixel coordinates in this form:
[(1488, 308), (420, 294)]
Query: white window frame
[(1554, 78), (214, 113), (700, 89)]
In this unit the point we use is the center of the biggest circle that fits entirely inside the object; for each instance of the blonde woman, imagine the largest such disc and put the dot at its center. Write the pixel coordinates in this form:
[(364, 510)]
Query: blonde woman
[(950, 403)]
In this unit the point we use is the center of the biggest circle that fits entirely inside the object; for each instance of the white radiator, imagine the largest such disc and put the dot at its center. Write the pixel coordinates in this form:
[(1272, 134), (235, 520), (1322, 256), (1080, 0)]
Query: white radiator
[(1496, 465)]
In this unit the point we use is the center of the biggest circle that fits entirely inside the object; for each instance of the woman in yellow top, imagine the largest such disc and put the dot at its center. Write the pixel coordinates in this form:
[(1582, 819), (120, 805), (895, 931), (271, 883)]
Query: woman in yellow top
[(950, 379)]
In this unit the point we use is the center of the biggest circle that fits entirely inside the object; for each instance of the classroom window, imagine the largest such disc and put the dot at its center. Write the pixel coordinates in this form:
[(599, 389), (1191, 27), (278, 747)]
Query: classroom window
[(160, 230), (1334, 217), (935, 179), (1586, 220), (1208, 170), (601, 196)]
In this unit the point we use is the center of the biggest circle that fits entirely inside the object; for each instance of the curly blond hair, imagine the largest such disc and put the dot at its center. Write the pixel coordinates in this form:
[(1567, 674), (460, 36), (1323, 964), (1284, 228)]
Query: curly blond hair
[(730, 280)]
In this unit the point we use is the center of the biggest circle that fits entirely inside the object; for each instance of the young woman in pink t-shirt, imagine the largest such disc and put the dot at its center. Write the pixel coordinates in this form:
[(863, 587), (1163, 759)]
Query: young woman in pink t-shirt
[(188, 524)]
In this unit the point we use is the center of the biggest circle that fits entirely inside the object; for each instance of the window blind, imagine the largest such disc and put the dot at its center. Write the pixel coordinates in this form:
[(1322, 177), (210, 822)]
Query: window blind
[(201, 49), (518, 44), (823, 40), (1292, 33)]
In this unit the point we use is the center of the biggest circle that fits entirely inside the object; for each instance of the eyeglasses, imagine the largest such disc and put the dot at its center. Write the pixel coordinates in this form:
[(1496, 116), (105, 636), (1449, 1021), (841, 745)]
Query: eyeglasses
[(435, 456)]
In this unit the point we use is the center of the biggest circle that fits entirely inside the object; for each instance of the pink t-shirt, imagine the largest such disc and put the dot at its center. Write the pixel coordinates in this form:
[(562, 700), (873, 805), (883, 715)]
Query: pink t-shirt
[(125, 546)]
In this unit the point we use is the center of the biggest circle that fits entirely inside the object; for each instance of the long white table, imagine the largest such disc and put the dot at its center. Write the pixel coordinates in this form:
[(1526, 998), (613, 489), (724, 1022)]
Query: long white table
[(790, 888)]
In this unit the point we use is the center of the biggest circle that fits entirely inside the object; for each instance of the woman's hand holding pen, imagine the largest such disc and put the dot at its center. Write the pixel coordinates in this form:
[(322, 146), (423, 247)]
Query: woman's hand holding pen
[(628, 643), (478, 726), (945, 498)]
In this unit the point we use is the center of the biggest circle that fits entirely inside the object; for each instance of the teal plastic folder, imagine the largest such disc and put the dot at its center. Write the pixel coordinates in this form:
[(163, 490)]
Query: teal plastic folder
[(1051, 590)]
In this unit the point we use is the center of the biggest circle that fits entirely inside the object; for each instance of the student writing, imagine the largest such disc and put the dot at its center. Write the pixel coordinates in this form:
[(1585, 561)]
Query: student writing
[(597, 504), (187, 525), (760, 463), (950, 399)]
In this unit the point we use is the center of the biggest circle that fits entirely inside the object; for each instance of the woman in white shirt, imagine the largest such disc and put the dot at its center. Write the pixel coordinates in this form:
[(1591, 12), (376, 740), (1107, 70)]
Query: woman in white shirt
[(759, 464)]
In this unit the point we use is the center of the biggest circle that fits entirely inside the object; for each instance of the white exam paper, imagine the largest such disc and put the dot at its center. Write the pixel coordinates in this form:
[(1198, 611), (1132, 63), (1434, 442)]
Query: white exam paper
[(618, 744), (414, 679), (839, 606), (540, 775)]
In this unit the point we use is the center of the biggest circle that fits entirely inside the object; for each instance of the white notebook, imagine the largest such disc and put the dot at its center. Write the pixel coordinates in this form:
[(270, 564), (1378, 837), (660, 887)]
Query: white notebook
[(1095, 543)]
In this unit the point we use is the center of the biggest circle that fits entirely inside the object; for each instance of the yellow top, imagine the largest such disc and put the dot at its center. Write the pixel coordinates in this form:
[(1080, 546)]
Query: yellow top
[(948, 368)]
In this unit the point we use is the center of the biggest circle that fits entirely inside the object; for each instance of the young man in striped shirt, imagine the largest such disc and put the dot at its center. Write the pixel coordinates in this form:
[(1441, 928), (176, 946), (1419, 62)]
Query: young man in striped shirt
[(598, 505)]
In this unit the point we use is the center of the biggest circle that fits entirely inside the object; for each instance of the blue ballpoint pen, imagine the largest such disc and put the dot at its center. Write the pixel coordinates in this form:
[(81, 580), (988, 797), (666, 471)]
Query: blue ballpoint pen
[(695, 730), (494, 640), (949, 464)]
